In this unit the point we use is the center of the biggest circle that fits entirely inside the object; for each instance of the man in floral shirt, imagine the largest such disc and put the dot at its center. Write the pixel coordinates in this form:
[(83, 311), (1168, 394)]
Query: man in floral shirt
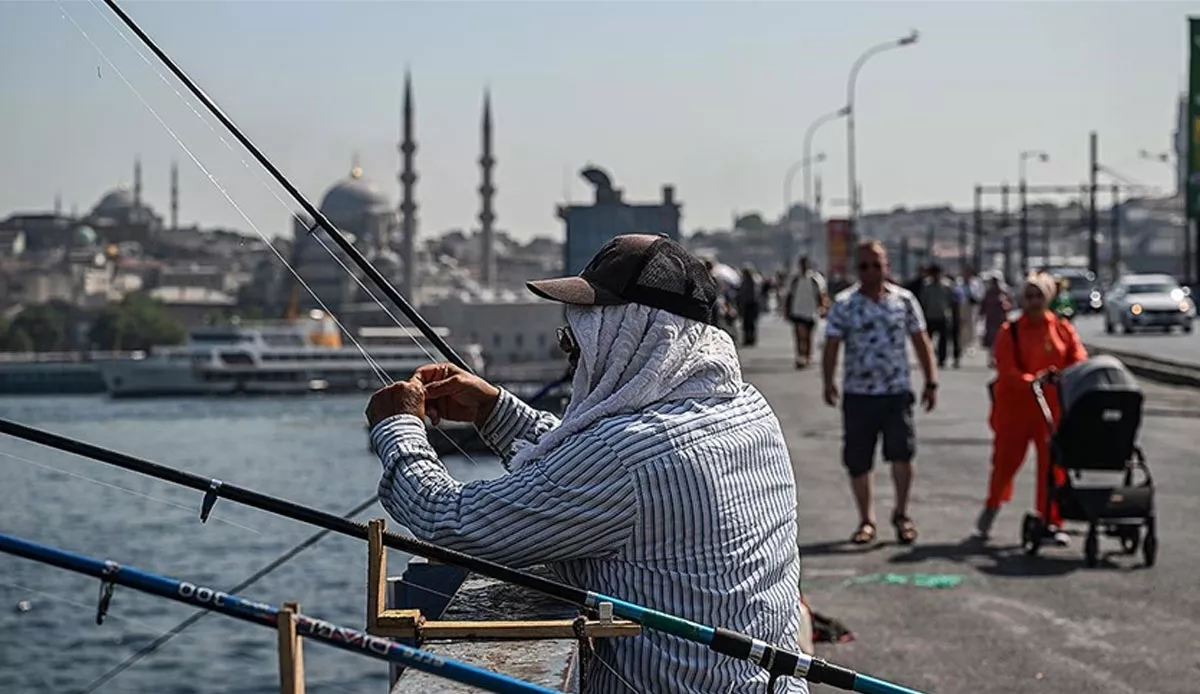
[(875, 319)]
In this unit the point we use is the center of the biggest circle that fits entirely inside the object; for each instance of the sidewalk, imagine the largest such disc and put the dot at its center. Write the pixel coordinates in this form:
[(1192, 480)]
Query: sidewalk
[(1002, 622)]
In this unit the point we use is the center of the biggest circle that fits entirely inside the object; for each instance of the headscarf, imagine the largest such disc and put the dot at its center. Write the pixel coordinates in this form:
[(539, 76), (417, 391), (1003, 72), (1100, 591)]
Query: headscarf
[(1043, 282), (631, 358)]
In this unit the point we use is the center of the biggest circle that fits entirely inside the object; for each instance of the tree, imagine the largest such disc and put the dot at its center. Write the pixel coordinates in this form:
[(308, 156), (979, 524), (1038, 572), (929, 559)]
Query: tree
[(43, 326), (14, 339), (136, 322), (751, 222)]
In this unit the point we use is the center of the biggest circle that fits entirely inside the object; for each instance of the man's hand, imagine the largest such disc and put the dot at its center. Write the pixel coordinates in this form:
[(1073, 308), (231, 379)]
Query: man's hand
[(402, 397), (929, 397), (455, 395), (831, 394)]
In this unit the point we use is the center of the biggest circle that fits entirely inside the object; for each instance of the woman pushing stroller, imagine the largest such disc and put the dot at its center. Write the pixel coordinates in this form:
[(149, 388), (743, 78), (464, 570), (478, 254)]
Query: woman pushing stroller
[(1037, 343)]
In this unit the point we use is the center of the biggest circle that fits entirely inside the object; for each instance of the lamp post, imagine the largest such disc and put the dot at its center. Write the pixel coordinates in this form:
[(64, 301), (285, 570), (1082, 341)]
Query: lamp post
[(852, 184), (1026, 155), (808, 139), (805, 163)]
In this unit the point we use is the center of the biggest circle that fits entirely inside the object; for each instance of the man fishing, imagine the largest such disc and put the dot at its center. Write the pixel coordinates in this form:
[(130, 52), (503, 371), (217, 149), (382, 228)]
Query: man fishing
[(667, 481)]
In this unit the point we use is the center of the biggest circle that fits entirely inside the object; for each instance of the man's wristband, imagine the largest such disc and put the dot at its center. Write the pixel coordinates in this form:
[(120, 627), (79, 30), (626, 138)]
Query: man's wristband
[(932, 385)]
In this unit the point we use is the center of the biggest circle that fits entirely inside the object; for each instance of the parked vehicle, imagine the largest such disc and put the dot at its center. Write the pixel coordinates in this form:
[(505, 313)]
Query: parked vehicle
[(1138, 302), (1082, 288)]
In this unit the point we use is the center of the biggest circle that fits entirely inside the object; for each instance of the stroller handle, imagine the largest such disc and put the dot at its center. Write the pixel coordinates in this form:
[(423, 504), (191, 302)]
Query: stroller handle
[(1039, 394)]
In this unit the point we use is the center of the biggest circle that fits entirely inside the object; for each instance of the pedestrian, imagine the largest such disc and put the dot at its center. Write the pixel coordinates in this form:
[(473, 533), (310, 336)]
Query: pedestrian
[(994, 306), (667, 480), (937, 301), (875, 319), (973, 289), (804, 303), (1036, 343), (749, 305)]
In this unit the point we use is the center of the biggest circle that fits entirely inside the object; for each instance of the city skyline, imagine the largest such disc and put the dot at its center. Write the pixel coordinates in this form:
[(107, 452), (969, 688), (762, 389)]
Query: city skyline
[(933, 119)]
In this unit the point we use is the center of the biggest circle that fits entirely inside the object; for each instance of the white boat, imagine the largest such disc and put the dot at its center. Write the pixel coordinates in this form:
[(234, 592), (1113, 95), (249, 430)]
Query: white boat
[(275, 358)]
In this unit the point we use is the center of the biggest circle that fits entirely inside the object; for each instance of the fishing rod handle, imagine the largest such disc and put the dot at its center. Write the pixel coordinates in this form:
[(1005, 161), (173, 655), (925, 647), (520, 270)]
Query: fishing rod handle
[(344, 638)]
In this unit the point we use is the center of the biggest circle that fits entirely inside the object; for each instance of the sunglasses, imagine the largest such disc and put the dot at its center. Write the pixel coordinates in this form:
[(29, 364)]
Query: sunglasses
[(566, 340), (1034, 296), (870, 266)]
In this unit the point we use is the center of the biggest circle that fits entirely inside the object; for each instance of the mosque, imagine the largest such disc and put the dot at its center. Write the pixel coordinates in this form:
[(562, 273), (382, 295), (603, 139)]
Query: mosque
[(384, 234)]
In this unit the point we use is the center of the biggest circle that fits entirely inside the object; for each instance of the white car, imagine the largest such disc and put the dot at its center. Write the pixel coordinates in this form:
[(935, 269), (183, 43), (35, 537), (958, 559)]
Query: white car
[(1137, 302)]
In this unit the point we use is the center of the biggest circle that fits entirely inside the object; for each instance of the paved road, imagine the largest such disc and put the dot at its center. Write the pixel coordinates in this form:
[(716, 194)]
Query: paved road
[(1014, 624), (1175, 345)]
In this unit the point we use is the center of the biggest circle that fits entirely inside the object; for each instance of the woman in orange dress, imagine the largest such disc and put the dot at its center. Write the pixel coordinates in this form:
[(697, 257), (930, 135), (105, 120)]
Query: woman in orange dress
[(1041, 343)]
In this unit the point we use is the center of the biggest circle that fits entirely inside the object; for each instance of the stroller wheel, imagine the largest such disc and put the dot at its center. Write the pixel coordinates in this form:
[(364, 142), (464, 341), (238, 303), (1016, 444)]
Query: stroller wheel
[(1091, 548), (1150, 544), (1031, 534), (1130, 539)]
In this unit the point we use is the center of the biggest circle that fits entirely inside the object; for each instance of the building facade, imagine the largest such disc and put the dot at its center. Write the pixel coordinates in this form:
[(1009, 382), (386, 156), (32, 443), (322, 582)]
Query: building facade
[(589, 227)]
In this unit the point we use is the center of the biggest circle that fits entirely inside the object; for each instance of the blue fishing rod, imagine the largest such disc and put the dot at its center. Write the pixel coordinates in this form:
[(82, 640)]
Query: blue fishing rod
[(777, 660), (111, 573)]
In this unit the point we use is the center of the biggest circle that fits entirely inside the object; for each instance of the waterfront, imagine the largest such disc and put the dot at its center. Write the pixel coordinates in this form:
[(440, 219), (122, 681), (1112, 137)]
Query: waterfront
[(312, 450)]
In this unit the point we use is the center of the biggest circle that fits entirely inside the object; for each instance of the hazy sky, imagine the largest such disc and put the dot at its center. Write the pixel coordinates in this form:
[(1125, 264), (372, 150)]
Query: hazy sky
[(712, 97)]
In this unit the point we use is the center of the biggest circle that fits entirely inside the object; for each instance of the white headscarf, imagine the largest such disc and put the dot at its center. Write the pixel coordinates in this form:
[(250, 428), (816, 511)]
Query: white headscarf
[(631, 357)]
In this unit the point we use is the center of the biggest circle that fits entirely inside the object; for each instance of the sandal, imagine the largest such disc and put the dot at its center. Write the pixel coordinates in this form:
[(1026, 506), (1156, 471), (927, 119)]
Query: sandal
[(864, 534), (906, 530)]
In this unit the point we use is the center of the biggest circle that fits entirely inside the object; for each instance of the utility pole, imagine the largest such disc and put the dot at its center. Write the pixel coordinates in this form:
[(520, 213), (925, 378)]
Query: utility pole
[(1049, 218), (978, 228), (1115, 234), (962, 247), (1093, 249), (1024, 239)]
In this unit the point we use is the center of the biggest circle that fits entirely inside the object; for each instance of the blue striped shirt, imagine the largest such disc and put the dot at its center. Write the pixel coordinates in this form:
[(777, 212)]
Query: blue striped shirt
[(687, 507)]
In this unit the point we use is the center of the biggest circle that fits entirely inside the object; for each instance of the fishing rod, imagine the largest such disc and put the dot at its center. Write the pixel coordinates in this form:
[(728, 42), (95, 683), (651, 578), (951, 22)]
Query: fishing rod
[(111, 574), (321, 221), (778, 661)]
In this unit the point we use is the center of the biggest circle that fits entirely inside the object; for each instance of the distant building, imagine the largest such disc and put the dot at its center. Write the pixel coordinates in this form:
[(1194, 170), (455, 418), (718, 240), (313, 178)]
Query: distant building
[(590, 226), (366, 217)]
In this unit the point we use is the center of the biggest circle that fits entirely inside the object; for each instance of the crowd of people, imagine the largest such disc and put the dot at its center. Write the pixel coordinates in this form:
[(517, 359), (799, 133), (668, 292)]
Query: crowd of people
[(940, 316)]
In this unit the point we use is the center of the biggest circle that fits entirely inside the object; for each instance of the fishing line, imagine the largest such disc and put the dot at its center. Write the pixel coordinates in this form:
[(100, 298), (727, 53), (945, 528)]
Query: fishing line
[(189, 509), (200, 614), (83, 606), (380, 373)]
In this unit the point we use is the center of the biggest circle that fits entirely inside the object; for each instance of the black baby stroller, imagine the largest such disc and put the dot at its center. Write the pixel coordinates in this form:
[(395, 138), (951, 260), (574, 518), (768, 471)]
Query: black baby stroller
[(1101, 414)]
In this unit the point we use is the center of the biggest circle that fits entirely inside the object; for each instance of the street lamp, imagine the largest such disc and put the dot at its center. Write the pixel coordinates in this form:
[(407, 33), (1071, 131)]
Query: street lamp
[(805, 163), (1038, 155), (1030, 154), (808, 138), (850, 158)]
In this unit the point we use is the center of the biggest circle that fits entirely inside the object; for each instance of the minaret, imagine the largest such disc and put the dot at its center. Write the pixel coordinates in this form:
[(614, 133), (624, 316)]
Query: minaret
[(408, 206), (486, 193), (58, 204), (137, 185), (174, 196)]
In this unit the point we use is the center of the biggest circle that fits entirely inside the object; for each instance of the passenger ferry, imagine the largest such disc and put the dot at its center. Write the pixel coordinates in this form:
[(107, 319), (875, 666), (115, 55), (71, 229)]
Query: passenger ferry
[(275, 358)]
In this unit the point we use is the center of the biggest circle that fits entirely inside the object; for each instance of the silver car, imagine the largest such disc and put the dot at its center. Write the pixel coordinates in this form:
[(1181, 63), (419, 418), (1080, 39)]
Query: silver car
[(1138, 302)]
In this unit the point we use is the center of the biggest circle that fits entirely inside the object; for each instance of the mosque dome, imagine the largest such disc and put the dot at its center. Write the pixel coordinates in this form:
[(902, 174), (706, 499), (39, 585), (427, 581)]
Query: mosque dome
[(116, 203), (352, 197), (84, 235)]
